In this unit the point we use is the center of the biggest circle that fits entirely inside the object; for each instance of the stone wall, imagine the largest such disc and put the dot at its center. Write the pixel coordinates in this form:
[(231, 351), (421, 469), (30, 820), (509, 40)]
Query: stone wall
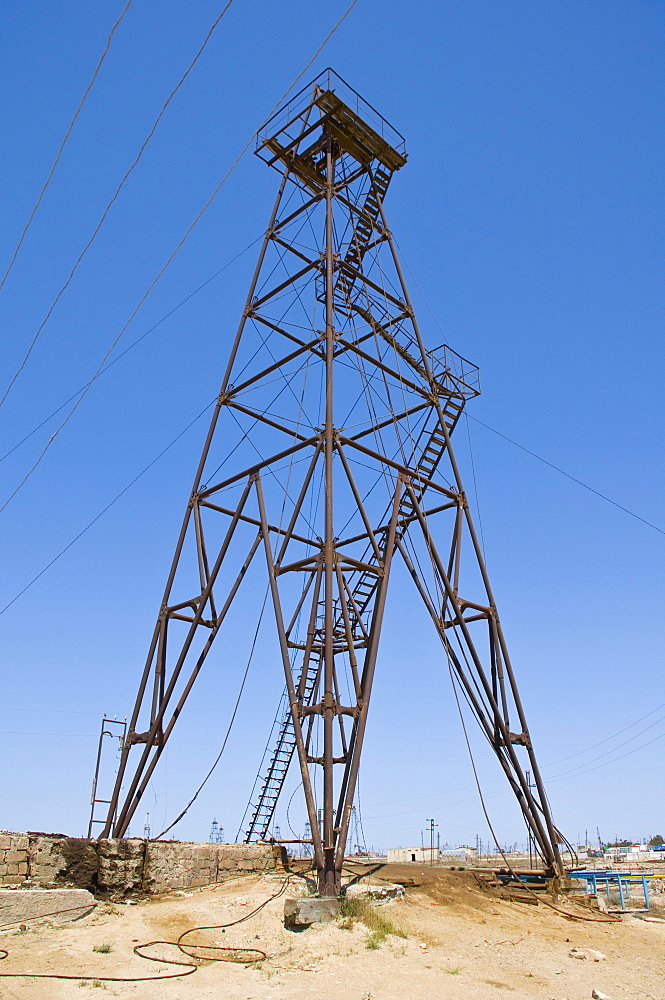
[(13, 858), (171, 864), (118, 868)]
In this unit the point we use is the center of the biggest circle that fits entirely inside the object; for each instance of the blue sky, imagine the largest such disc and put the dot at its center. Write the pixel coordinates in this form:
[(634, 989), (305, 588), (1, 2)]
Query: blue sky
[(530, 218)]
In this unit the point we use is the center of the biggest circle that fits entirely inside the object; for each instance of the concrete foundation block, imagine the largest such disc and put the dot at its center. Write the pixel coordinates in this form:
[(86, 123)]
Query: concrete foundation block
[(58, 905), (303, 912)]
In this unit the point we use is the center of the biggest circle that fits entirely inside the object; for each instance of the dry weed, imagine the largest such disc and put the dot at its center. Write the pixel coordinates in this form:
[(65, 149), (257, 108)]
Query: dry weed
[(377, 923)]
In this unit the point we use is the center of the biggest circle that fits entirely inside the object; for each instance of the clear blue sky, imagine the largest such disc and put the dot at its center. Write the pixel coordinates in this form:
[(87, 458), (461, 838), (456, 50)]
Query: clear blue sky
[(530, 217)]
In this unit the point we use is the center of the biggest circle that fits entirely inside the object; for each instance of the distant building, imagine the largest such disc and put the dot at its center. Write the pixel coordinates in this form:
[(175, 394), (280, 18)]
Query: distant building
[(419, 855), (430, 855), (455, 855), (633, 852)]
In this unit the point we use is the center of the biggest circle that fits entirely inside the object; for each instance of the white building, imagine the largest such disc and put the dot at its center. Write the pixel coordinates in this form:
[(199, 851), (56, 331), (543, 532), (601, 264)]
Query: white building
[(419, 855)]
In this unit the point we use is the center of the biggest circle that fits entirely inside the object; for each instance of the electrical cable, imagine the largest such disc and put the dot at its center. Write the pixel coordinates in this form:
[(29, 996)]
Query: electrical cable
[(175, 251), (178, 943), (138, 340), (574, 479), (619, 747), (567, 776), (116, 194), (107, 507), (64, 143), (521, 446), (475, 487), (571, 916), (288, 806), (230, 726), (607, 738)]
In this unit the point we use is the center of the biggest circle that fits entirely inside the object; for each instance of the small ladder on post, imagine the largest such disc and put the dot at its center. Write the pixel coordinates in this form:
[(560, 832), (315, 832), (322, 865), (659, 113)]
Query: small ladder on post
[(120, 735)]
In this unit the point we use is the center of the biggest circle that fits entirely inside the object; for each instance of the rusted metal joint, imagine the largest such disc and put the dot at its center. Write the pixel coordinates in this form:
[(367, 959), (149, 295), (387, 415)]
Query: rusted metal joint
[(520, 739)]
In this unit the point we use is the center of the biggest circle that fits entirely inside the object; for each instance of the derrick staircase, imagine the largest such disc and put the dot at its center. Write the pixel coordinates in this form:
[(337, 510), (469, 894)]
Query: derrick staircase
[(363, 588), (280, 759), (366, 224), (429, 449)]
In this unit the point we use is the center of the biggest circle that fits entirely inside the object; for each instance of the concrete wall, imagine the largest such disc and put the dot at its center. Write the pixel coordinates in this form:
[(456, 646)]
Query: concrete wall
[(118, 868)]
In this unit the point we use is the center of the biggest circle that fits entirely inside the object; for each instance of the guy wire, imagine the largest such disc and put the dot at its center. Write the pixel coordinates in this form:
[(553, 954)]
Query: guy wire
[(181, 243), (112, 201), (64, 143), (228, 731), (571, 916)]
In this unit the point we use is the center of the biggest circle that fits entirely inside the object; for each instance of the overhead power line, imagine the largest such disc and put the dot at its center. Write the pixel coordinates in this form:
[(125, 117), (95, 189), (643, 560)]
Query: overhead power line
[(228, 730), (608, 739), (574, 479), (116, 194), (107, 507), (178, 247), (131, 347), (64, 143), (521, 446)]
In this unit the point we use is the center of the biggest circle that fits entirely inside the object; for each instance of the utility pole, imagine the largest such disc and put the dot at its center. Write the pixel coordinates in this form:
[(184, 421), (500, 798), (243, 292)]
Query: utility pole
[(431, 825), (323, 493), (530, 838)]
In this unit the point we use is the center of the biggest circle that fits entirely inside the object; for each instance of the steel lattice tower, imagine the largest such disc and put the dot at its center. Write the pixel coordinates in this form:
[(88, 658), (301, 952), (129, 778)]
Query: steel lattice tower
[(353, 468)]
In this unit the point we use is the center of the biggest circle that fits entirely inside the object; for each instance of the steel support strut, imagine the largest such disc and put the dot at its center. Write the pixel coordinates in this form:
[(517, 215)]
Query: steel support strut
[(328, 880)]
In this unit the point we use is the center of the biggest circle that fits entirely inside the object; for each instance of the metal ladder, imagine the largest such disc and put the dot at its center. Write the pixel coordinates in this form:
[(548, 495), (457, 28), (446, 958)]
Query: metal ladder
[(363, 591), (366, 582), (280, 760)]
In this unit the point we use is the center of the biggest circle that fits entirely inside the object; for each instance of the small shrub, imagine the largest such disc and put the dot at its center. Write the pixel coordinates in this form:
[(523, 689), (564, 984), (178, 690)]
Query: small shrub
[(380, 926), (346, 924), (103, 949), (455, 971)]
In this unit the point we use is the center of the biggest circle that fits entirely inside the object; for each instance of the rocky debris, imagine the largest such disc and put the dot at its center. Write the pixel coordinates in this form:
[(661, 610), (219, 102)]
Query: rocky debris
[(587, 953), (377, 893), (597, 995)]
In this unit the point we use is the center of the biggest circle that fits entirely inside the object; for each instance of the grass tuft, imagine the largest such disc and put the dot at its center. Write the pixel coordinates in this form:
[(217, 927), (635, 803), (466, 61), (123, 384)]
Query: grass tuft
[(103, 949), (380, 926)]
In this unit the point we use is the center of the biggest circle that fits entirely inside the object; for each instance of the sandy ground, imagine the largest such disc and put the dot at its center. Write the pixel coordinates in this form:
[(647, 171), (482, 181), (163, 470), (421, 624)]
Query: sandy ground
[(462, 941)]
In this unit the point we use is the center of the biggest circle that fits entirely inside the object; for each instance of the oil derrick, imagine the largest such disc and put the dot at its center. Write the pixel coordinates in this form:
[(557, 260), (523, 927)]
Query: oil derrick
[(328, 458)]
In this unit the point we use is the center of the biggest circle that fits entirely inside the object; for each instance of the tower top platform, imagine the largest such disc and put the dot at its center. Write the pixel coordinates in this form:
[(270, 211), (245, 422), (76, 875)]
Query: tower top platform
[(294, 135)]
